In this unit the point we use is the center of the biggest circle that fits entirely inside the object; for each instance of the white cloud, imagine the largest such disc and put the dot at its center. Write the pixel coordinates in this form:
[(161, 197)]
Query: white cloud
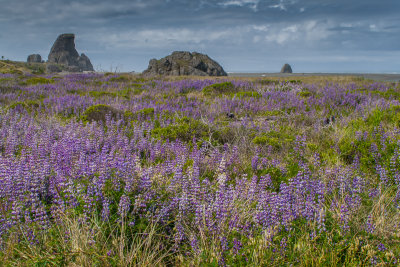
[(253, 4), (262, 28), (282, 5), (164, 37), (307, 32)]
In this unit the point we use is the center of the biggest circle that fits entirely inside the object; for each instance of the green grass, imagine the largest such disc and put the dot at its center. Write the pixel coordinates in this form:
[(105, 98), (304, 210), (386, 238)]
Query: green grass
[(219, 88)]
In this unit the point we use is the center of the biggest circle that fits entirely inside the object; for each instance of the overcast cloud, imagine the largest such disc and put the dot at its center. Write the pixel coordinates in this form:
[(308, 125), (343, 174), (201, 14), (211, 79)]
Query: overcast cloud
[(242, 35)]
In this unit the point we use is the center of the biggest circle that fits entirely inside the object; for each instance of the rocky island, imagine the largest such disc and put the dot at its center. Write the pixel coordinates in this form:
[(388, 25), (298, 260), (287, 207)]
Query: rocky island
[(185, 63)]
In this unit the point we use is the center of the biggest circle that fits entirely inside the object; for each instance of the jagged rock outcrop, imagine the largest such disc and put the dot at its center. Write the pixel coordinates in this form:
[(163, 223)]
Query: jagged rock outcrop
[(63, 52), (34, 58), (286, 69), (185, 63)]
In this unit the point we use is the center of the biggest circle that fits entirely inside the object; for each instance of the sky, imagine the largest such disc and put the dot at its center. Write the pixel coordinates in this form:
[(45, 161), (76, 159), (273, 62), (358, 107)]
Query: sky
[(339, 36)]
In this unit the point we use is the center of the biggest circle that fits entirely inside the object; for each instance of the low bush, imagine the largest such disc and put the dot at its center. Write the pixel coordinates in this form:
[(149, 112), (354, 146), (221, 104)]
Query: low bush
[(99, 113), (219, 88), (37, 80), (28, 105), (119, 79), (247, 94), (183, 129), (146, 113), (274, 139), (98, 94), (304, 93)]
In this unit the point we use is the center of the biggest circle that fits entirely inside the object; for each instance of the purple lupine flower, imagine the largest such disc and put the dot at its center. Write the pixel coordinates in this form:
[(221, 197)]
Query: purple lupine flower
[(237, 246), (344, 217), (381, 247), (105, 212), (124, 206)]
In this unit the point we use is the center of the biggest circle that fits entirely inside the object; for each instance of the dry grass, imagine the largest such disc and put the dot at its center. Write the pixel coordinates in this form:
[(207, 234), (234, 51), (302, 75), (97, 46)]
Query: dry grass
[(80, 241)]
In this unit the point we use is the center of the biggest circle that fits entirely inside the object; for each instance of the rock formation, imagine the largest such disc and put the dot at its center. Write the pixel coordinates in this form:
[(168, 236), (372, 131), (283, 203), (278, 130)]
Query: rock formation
[(286, 69), (63, 52), (185, 63), (34, 58)]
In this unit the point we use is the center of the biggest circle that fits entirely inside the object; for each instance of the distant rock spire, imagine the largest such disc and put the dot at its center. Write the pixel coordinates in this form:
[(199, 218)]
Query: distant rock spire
[(286, 69)]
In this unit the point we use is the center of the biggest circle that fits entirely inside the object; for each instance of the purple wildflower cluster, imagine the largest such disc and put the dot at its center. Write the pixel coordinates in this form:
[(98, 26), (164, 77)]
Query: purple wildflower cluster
[(51, 162)]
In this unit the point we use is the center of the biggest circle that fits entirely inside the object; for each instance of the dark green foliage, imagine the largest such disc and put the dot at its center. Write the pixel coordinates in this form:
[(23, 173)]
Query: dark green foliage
[(119, 79), (295, 81), (219, 88), (186, 90), (98, 94), (78, 92), (99, 112), (275, 139), (269, 82), (184, 129), (247, 94), (37, 80), (305, 93), (266, 140), (134, 89), (28, 105), (146, 112), (143, 113)]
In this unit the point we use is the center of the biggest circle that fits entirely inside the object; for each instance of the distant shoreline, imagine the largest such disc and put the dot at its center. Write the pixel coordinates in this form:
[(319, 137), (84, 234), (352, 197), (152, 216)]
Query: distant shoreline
[(368, 76)]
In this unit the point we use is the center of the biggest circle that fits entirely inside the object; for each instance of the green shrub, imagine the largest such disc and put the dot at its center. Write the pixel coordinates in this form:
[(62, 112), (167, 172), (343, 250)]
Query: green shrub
[(219, 88), (28, 105), (98, 94), (247, 94), (277, 177), (74, 91), (275, 139), (295, 81), (184, 129), (269, 113), (265, 140), (99, 112), (269, 82), (144, 113), (37, 80), (187, 90), (125, 93), (304, 93), (147, 112), (119, 79), (11, 71)]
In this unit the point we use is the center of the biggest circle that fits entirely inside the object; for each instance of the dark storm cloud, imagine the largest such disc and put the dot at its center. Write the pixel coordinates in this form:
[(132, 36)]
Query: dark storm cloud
[(259, 33)]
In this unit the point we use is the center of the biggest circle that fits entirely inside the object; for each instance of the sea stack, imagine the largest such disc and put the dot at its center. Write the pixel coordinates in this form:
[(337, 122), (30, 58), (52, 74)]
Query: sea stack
[(34, 58), (286, 69), (185, 63), (63, 52)]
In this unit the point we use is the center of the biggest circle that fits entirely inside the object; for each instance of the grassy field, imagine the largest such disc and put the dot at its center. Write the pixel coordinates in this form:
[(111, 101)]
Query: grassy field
[(121, 170)]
